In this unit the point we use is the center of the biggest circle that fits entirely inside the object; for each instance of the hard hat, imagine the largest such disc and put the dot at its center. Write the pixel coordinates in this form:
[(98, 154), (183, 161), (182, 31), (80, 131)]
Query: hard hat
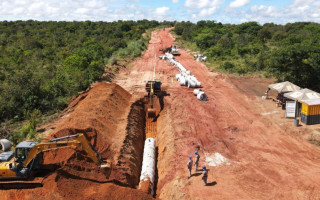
[(204, 167), (189, 157), (196, 152)]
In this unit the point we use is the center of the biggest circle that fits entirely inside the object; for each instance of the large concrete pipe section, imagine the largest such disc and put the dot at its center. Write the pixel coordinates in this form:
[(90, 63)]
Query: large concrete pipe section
[(178, 76), (202, 96), (5, 145), (148, 166), (196, 91), (182, 81), (191, 83)]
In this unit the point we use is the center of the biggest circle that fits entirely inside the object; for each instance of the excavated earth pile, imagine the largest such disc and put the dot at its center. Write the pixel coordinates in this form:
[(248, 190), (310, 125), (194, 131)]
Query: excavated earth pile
[(114, 126)]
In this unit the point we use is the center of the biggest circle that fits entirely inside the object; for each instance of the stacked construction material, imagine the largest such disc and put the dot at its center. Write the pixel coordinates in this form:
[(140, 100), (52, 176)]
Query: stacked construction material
[(148, 166), (200, 57), (185, 77)]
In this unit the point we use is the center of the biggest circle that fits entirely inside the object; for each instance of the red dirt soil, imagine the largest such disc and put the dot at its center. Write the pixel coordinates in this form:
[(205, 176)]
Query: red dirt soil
[(268, 156), (102, 113)]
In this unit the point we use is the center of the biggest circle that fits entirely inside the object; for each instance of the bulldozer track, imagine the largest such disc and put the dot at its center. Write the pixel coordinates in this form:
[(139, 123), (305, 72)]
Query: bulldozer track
[(7, 185)]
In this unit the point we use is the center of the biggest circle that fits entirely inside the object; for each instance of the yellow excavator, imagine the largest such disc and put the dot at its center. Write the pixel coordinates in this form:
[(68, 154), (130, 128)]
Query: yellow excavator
[(23, 161), (153, 88)]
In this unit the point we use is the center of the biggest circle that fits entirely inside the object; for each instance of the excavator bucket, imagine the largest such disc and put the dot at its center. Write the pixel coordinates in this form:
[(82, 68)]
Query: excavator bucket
[(106, 168), (151, 113)]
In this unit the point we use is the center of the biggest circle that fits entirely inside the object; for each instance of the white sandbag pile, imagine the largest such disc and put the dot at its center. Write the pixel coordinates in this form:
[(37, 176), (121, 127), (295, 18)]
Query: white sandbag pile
[(148, 166)]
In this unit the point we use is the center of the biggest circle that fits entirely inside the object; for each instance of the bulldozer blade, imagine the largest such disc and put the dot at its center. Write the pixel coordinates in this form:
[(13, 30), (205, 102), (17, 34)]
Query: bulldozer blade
[(151, 113)]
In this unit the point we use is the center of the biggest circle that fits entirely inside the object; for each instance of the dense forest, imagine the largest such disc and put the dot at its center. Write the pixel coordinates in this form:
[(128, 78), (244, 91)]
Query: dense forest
[(288, 52), (43, 64)]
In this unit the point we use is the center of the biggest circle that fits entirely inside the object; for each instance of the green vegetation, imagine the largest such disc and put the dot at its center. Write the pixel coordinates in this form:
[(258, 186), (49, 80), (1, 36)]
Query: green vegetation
[(44, 64), (288, 52)]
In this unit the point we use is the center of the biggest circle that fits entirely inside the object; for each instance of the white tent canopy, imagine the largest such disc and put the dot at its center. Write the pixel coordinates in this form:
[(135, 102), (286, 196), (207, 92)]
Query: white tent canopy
[(284, 87), (311, 102), (303, 94)]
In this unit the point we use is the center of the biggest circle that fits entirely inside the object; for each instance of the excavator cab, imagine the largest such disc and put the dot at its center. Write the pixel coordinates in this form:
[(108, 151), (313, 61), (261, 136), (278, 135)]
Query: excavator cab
[(22, 150), (155, 85), (153, 88)]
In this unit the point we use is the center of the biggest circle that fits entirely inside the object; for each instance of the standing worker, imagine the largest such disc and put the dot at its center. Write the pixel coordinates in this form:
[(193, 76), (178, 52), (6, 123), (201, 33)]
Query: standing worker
[(197, 160), (190, 165), (267, 93), (204, 175)]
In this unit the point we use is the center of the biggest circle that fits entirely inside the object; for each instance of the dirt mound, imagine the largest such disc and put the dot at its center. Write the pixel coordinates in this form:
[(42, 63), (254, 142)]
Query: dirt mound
[(129, 163), (97, 113), (114, 126)]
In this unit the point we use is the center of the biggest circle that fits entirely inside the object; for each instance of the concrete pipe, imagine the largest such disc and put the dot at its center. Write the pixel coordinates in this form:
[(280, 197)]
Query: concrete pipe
[(202, 96), (182, 81), (148, 166), (179, 65), (198, 84), (168, 55), (5, 145), (191, 84), (196, 91), (193, 78)]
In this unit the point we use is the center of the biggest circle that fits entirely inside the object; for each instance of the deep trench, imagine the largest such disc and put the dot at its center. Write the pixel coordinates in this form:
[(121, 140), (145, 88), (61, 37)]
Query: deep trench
[(130, 160), (158, 104)]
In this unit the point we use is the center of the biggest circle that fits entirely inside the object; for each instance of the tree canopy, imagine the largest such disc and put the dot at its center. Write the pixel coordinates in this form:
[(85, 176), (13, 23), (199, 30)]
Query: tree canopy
[(43, 64), (287, 52)]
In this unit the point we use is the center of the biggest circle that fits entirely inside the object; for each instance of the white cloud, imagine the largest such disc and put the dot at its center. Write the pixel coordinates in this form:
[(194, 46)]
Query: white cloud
[(194, 10), (202, 3), (18, 11), (162, 11), (207, 7), (239, 3), (67, 10), (207, 12), (80, 10)]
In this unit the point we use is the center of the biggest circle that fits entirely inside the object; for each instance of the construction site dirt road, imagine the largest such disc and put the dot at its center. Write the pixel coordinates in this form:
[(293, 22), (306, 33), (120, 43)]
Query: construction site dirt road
[(266, 157)]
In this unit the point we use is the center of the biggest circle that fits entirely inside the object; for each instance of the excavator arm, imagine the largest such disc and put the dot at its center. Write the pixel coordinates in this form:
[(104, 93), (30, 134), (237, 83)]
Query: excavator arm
[(41, 147), (58, 143)]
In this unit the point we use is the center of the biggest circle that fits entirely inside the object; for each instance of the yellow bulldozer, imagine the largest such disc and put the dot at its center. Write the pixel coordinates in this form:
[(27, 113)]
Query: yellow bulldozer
[(23, 161)]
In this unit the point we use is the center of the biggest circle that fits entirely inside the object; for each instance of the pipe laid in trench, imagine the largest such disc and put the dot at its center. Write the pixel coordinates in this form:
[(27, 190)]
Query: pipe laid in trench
[(148, 166)]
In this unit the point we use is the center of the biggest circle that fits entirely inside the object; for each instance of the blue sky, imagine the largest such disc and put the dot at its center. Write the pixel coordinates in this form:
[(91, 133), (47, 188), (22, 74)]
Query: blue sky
[(225, 11)]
